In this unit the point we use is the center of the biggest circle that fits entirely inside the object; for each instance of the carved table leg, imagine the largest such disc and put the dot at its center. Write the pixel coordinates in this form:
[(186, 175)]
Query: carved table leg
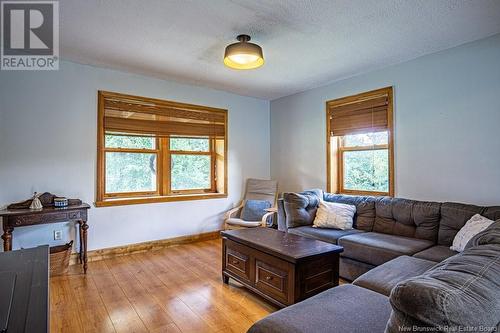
[(7, 237), (84, 227), (80, 234)]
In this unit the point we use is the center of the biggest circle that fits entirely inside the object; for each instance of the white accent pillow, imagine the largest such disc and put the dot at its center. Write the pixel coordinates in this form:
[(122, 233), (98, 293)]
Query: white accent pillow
[(475, 225), (334, 215)]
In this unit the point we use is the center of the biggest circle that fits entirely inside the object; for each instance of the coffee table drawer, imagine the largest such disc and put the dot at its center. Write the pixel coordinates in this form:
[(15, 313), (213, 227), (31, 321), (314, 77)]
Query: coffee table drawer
[(237, 260), (272, 277)]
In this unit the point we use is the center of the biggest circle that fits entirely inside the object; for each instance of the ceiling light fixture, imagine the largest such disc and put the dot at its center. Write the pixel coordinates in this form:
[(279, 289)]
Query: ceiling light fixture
[(243, 55)]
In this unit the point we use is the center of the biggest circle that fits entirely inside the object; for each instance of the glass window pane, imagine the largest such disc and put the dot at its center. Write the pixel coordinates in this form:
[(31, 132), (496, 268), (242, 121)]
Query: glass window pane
[(190, 172), (190, 144), (130, 172), (136, 142), (366, 170), (366, 139)]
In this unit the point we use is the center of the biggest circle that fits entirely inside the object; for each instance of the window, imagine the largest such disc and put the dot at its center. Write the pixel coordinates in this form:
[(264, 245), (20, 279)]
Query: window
[(152, 150), (360, 144)]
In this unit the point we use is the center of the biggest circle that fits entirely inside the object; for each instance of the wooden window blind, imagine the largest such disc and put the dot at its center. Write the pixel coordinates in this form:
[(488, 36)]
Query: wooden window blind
[(359, 116), (369, 114), (130, 114), (162, 141)]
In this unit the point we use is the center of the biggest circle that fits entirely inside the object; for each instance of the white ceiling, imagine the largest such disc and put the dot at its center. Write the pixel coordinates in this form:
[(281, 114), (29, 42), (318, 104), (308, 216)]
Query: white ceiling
[(306, 43)]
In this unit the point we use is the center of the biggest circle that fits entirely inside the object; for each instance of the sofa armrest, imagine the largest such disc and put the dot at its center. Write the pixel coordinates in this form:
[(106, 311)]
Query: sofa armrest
[(281, 216)]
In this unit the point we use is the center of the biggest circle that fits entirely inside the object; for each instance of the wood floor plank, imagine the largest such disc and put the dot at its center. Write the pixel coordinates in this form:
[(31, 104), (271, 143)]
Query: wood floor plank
[(173, 290)]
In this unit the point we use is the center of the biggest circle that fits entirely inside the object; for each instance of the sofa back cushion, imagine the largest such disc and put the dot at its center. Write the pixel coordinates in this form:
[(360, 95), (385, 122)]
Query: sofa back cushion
[(365, 208), (461, 291), (300, 208), (455, 215), (408, 218), (490, 235)]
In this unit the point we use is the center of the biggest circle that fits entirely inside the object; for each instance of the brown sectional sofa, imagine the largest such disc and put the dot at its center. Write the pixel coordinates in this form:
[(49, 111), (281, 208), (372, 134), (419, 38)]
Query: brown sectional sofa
[(406, 279), (384, 228)]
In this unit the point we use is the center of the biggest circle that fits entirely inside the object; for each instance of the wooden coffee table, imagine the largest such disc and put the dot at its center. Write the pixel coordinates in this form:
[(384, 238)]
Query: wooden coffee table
[(283, 268)]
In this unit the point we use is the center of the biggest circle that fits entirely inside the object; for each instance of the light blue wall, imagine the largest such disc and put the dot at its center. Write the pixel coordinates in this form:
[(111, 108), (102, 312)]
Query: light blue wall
[(447, 126), (48, 124)]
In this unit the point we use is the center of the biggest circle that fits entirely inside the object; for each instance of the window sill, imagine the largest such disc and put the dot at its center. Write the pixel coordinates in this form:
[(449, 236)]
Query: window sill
[(365, 193), (146, 200)]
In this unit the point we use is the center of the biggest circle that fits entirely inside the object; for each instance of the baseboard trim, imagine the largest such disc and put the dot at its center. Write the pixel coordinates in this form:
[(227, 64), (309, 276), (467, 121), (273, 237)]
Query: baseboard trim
[(119, 251)]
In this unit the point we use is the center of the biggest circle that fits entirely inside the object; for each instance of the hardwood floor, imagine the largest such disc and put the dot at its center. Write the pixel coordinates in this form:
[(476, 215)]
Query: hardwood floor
[(177, 289)]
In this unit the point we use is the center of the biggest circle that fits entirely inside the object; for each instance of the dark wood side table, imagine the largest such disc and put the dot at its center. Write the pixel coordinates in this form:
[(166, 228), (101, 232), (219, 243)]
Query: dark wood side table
[(283, 268), (27, 217)]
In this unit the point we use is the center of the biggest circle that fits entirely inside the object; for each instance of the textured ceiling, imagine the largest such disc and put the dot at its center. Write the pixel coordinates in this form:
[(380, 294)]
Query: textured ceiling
[(306, 43)]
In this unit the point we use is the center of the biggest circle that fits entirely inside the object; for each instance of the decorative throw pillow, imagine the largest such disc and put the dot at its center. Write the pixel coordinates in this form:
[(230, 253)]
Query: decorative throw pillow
[(254, 210), (334, 215), (300, 208), (475, 225)]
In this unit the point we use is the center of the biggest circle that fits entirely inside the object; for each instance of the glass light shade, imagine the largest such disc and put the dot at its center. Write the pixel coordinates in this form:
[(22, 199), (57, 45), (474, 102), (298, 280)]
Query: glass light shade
[(243, 55)]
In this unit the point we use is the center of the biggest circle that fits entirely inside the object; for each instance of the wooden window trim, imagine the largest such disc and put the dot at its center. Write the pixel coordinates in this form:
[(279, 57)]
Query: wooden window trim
[(335, 143), (163, 192)]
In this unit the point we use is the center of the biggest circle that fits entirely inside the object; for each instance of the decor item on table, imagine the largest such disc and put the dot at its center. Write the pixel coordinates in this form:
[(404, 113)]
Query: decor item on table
[(60, 202), (243, 55), (35, 202), (334, 215), (253, 210), (47, 200), (59, 259), (475, 225)]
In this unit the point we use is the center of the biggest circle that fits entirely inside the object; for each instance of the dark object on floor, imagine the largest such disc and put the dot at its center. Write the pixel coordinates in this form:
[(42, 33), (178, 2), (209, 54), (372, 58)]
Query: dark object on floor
[(47, 200), (24, 306), (281, 267), (59, 259)]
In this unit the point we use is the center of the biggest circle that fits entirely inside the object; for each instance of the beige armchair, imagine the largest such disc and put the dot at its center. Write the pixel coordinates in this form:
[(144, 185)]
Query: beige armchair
[(256, 189)]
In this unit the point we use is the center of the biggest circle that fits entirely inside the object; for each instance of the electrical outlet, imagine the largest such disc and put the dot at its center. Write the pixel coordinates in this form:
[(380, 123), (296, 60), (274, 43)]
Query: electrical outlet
[(57, 234)]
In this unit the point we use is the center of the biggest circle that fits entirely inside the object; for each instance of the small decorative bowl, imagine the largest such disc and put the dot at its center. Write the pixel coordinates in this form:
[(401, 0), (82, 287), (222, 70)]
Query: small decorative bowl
[(60, 202)]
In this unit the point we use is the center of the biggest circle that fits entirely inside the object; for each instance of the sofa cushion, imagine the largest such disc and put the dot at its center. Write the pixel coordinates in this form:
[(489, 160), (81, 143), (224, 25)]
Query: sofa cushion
[(326, 235), (300, 208), (490, 235), (335, 310), (453, 218), (408, 218), (385, 277), (436, 253), (462, 291), (492, 213), (350, 269), (377, 248), (455, 215), (365, 208)]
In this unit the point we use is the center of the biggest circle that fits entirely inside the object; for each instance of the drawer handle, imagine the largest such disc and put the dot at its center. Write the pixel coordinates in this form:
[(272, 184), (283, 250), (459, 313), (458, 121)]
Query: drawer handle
[(235, 262), (269, 278)]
